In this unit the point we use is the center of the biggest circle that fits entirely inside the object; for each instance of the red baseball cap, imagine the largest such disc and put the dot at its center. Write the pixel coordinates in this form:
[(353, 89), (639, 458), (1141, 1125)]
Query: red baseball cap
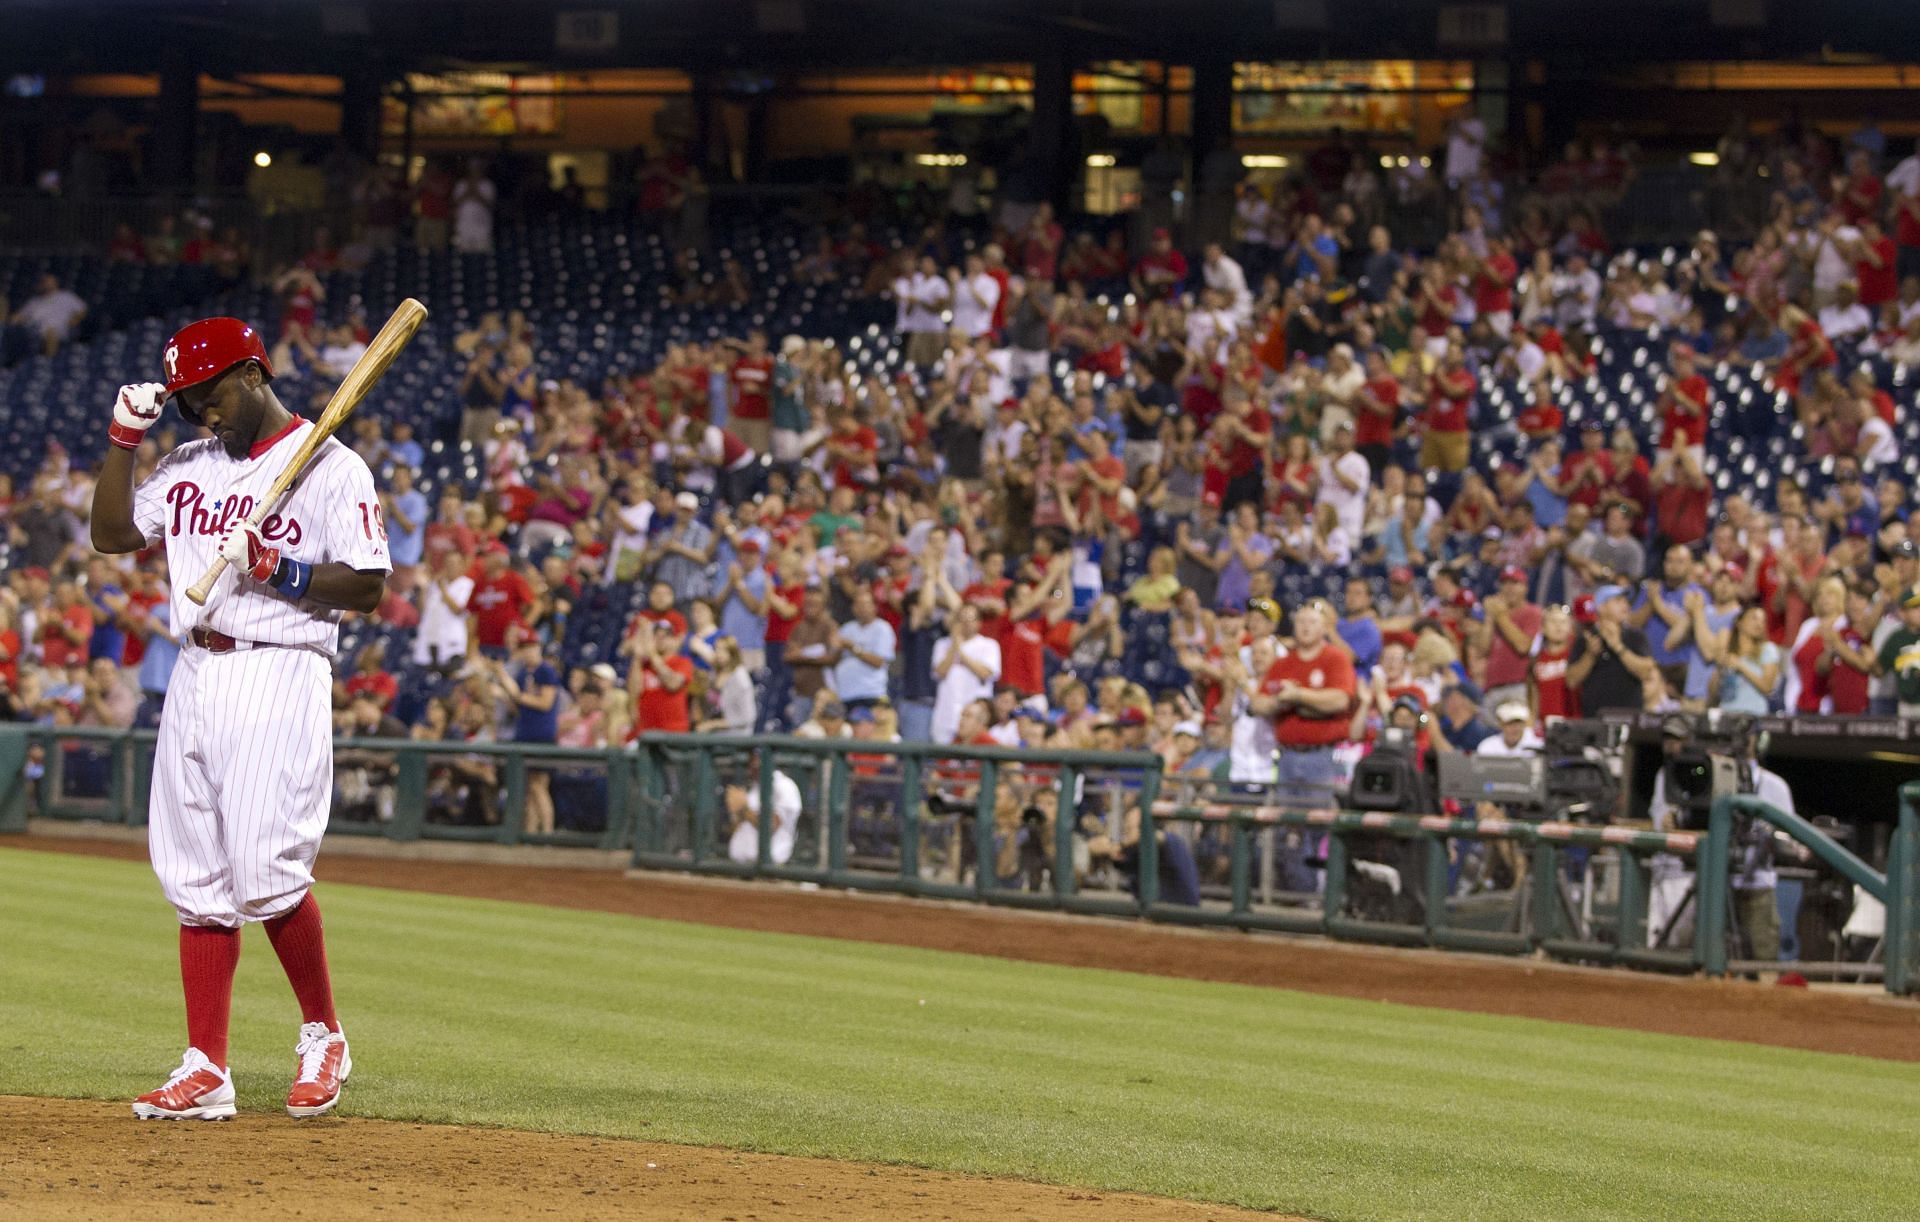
[(1734, 570), (1162, 234), (1463, 598), (1513, 572), (1400, 574), (1131, 717), (1584, 611)]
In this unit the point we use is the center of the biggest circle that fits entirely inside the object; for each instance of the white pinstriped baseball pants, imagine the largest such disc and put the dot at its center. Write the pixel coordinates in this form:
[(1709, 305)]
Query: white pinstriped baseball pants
[(242, 782)]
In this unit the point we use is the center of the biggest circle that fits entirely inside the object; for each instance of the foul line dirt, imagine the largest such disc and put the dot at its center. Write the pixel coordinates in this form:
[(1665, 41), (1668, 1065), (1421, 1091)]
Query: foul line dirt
[(72, 1159), (1809, 1019)]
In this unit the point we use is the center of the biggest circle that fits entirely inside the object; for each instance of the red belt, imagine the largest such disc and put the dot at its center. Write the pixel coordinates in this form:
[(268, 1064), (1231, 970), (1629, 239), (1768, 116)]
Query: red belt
[(216, 642)]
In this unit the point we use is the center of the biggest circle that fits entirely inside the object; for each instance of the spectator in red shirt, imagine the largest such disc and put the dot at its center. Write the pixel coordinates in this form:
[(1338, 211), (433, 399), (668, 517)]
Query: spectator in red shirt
[(661, 680), (751, 376), (1493, 279), (1875, 266), (1548, 693), (1858, 194), (500, 601), (1588, 471), (1444, 425), (1688, 404), (1680, 499), (1376, 414), (1159, 273), (66, 634), (1309, 694), (370, 677)]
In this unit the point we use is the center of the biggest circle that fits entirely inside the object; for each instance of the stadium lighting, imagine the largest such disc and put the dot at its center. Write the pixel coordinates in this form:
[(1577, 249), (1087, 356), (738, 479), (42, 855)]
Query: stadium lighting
[(263, 159), (1100, 161), (1708, 158), (1264, 161), (940, 159)]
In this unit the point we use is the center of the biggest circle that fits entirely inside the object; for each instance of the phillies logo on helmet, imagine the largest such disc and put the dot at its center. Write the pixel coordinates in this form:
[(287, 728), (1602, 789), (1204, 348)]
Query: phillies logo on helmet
[(171, 359)]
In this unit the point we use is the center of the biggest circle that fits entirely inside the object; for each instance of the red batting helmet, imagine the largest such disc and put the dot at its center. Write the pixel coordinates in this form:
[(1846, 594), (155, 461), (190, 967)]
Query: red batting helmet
[(207, 349)]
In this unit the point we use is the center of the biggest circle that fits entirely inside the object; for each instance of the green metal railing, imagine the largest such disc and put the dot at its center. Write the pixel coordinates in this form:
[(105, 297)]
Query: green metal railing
[(926, 820)]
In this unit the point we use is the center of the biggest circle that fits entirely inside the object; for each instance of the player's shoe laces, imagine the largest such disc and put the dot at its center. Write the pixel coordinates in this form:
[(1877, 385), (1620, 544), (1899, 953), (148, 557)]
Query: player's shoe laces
[(324, 1066), (198, 1090)]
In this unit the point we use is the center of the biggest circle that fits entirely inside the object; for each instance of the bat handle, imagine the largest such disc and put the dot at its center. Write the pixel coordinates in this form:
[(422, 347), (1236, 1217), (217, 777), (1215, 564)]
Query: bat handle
[(197, 594)]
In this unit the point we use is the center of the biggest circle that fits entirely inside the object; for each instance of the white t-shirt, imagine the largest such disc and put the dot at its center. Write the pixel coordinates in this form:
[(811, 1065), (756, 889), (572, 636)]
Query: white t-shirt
[(743, 848), (973, 302), (1881, 449), (1226, 276), (918, 301), (53, 314), (1351, 506), (631, 535), (1831, 266), (331, 514), (1496, 745), (1464, 147), (442, 633), (1840, 321), (962, 687)]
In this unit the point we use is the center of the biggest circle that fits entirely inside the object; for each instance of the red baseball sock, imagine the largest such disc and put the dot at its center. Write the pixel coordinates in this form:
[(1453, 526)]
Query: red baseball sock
[(302, 949), (208, 956)]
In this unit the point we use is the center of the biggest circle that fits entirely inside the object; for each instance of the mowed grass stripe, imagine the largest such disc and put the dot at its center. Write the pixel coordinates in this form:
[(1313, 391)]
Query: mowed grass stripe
[(485, 1012)]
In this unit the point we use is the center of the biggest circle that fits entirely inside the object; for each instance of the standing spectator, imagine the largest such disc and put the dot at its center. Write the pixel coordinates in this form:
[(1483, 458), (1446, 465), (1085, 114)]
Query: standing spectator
[(1664, 611), (1514, 625), (67, 631), (1746, 666), (499, 602), (682, 549), (920, 296), (1158, 274), (532, 689), (1309, 693), (52, 313), (407, 512), (975, 295), (865, 648), (1611, 660), (1344, 479), (473, 200), (730, 695), (1899, 656), (440, 642), (433, 208), (1445, 425), (751, 380), (810, 653), (966, 666), (661, 679)]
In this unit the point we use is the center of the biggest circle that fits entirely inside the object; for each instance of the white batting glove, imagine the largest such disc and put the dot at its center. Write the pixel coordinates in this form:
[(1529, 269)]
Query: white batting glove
[(245, 550), (134, 412)]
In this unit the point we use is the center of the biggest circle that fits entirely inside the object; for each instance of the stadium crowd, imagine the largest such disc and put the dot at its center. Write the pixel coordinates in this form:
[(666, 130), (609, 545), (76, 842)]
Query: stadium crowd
[(1237, 508)]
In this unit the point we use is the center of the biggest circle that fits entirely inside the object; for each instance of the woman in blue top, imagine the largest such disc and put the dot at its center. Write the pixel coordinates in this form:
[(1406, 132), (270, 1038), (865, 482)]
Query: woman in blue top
[(1748, 666)]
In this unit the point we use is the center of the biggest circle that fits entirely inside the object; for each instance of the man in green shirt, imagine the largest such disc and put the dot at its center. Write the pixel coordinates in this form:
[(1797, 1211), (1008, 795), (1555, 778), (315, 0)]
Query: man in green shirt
[(791, 420), (826, 523), (1900, 656)]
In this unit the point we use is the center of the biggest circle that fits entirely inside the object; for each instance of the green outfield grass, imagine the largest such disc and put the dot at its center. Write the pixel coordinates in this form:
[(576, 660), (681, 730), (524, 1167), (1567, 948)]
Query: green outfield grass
[(542, 1018)]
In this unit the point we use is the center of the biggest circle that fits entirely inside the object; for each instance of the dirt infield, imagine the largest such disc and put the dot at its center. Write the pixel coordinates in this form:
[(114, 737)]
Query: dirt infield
[(70, 1159), (1815, 1019)]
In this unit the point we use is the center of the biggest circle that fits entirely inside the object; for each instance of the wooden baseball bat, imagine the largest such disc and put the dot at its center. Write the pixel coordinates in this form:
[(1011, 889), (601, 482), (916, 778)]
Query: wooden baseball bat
[(353, 388)]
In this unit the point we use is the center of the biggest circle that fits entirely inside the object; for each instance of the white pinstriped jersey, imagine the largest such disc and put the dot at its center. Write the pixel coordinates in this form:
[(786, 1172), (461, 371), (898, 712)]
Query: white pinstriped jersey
[(332, 513)]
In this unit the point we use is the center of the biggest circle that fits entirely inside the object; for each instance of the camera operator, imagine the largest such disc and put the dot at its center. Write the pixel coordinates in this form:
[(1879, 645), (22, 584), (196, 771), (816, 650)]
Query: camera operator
[(1755, 909), (1516, 737)]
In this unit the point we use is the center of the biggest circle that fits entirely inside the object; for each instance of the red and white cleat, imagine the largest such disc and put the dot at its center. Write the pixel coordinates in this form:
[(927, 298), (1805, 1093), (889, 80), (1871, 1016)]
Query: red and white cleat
[(198, 1090), (324, 1066)]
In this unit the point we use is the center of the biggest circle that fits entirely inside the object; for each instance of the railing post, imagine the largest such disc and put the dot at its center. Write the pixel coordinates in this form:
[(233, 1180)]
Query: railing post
[(1543, 862), (983, 807), (619, 800), (765, 765), (1334, 895), (140, 778), (702, 830), (1711, 897), (14, 742), (838, 797), (1149, 854), (1435, 872), (1065, 811), (513, 819), (119, 765), (409, 795), (1632, 921), (1240, 862), (1903, 896), (910, 801)]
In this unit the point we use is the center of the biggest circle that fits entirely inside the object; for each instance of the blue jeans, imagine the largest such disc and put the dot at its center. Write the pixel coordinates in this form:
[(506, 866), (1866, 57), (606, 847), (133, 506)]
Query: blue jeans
[(1313, 766), (773, 702), (916, 721)]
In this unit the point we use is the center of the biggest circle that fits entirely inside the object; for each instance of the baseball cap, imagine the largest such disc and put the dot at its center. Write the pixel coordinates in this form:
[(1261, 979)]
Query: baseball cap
[(833, 710), (1266, 607), (1131, 717), (1400, 574), (37, 573), (749, 545), (1512, 711), (603, 672), (1584, 610), (1464, 599), (1467, 688), (1904, 548), (687, 500), (1734, 570), (1911, 601), (1409, 702), (1187, 727), (1513, 572), (1162, 234), (861, 715), (1601, 595)]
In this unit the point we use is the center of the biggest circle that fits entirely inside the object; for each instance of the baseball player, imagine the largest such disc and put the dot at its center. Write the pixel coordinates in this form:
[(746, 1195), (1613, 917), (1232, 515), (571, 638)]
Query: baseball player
[(243, 769)]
